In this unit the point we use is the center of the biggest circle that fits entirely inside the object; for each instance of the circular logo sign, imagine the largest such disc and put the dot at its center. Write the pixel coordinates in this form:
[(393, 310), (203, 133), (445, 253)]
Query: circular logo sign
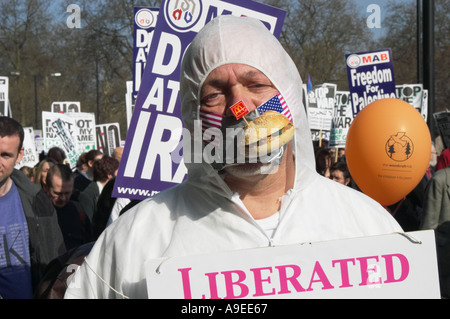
[(353, 61), (144, 18), (183, 15), (399, 147)]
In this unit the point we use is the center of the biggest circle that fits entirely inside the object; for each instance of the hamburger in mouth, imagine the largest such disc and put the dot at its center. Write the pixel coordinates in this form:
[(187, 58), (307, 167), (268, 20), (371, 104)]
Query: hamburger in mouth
[(267, 133)]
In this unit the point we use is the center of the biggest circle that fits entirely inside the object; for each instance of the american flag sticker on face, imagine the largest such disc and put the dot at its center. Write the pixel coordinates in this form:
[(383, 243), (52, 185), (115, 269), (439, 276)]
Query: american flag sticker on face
[(211, 125), (278, 104)]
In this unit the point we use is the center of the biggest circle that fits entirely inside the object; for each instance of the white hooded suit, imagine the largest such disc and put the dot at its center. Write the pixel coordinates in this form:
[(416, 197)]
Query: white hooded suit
[(202, 215)]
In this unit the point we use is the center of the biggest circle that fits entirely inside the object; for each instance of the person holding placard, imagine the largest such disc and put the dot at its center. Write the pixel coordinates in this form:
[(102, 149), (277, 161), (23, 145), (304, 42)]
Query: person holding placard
[(271, 198)]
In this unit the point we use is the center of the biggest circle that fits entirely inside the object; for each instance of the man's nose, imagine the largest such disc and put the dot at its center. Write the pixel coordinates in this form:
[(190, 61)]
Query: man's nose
[(239, 95)]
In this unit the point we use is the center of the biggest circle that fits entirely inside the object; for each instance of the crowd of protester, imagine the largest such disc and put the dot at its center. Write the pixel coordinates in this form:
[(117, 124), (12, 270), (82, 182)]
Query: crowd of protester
[(92, 182), (84, 205), (82, 189)]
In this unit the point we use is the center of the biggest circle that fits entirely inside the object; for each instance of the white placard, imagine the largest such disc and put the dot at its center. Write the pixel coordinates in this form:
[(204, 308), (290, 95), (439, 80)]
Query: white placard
[(66, 107), (86, 135), (4, 96), (388, 266), (51, 139), (108, 137), (30, 157)]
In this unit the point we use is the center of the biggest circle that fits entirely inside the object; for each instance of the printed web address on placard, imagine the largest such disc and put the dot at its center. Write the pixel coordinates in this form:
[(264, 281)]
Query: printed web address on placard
[(136, 191)]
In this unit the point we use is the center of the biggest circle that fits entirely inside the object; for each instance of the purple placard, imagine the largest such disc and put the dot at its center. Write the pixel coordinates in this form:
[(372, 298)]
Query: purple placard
[(370, 77), (148, 166), (144, 25)]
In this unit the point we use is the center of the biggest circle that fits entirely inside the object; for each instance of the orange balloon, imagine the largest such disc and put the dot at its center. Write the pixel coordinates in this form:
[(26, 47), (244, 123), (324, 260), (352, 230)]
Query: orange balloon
[(388, 149)]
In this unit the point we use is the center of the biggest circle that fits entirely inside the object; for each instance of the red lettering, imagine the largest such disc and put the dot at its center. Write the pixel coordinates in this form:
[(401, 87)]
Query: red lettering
[(322, 278), (344, 271), (293, 279), (259, 291), (186, 282), (390, 267), (365, 270), (229, 284), (366, 59), (212, 285)]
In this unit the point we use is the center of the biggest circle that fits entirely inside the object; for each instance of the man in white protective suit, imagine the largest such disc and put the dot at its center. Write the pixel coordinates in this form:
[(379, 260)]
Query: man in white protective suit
[(228, 205)]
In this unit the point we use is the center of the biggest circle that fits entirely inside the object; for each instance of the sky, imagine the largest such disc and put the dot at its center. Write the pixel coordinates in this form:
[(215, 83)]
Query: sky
[(363, 5)]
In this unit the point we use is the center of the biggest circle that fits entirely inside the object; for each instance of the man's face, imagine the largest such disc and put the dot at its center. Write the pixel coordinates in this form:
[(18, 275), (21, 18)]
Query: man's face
[(229, 84), (338, 176), (60, 192), (9, 156)]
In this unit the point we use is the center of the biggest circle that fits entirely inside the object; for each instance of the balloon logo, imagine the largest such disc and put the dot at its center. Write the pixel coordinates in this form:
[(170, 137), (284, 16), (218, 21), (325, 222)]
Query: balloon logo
[(400, 147), (388, 150)]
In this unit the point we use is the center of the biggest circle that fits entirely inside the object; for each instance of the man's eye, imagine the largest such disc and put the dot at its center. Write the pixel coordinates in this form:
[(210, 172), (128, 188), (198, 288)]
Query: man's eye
[(260, 86), (211, 99), (6, 155)]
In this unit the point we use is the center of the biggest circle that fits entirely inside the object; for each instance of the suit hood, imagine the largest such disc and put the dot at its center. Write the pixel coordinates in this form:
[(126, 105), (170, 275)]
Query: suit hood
[(242, 40)]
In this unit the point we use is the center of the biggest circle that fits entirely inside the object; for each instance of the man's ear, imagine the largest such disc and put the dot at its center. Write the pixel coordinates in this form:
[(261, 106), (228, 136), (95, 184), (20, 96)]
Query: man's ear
[(347, 181), (20, 155)]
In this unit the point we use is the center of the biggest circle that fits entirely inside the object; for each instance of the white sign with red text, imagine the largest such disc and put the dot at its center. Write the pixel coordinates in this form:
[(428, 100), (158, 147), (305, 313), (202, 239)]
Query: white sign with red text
[(388, 266)]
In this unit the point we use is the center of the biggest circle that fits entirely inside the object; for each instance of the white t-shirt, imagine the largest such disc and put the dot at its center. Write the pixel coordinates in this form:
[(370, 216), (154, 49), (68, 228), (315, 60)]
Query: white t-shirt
[(269, 224)]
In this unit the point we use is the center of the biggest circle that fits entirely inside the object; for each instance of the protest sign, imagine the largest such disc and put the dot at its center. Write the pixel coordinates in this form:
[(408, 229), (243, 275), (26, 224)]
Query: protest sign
[(342, 119), (370, 77), (85, 132), (51, 138), (30, 157), (321, 101), (108, 137), (66, 107), (67, 143), (144, 25), (156, 126), (129, 103), (443, 124), (425, 105), (414, 95), (387, 266), (4, 98), (39, 141)]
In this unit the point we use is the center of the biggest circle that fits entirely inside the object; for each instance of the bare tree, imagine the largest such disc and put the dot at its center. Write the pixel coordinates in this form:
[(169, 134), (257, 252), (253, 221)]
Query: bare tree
[(96, 59), (401, 23), (318, 34), (100, 57), (23, 51)]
